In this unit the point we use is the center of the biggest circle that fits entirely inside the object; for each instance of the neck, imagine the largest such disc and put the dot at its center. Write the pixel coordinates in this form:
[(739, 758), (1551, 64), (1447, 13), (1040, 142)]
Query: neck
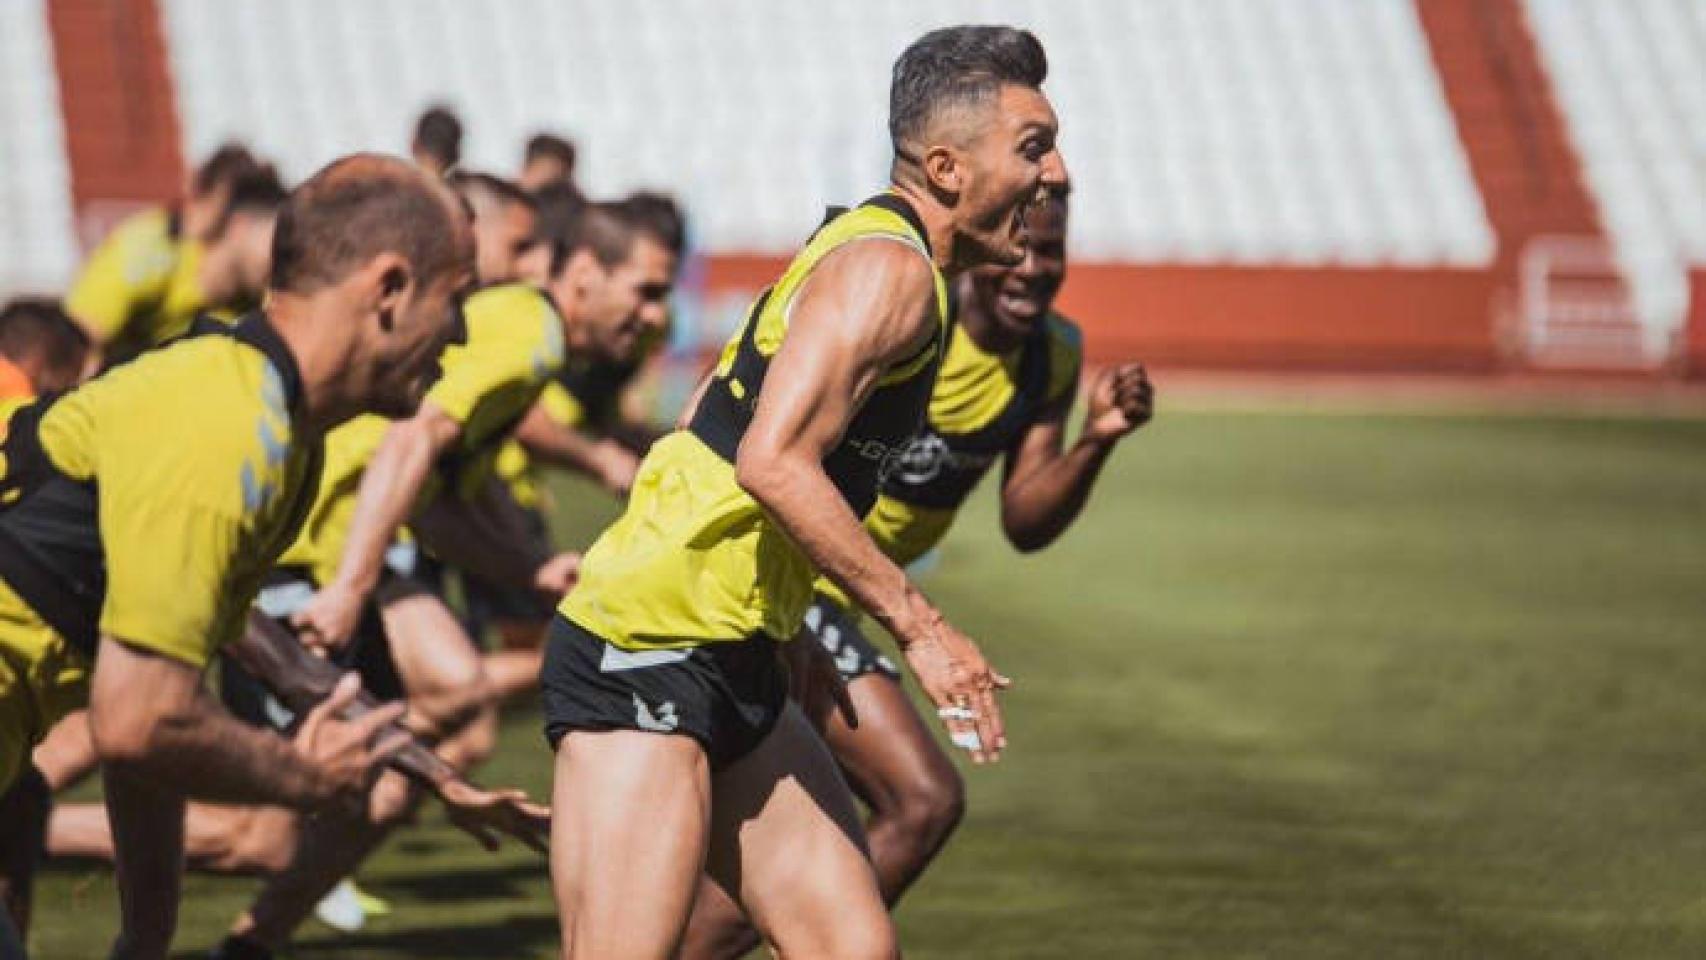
[(938, 226), (320, 347)]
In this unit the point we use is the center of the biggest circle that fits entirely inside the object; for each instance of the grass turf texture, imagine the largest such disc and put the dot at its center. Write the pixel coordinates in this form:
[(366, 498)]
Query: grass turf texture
[(1320, 686)]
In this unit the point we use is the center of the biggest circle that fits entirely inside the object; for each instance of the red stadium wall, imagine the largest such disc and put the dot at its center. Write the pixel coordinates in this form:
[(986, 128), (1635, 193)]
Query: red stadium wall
[(1694, 333), (122, 135), (121, 122), (1349, 318)]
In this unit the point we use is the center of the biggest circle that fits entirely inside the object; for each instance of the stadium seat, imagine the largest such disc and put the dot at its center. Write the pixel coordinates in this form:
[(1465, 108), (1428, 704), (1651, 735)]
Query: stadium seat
[(37, 242), (1202, 130), (1627, 76)]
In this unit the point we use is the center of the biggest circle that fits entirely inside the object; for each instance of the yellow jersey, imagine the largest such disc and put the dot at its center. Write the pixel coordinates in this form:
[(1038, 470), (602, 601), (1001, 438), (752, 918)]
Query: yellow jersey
[(513, 348), (147, 504), (694, 559), (140, 287)]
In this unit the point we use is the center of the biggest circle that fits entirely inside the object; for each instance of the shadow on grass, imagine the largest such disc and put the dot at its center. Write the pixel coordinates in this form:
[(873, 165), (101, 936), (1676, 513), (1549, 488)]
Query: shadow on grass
[(508, 936)]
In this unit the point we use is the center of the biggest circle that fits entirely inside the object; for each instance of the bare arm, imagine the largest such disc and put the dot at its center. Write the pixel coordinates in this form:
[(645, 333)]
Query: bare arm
[(151, 720), (389, 487), (301, 680), (1047, 484), (867, 307), (606, 461)]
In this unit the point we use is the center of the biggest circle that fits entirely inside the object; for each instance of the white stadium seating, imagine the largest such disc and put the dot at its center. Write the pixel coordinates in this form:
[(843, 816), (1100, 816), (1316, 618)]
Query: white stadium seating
[(1202, 131), (37, 250), (1630, 77)]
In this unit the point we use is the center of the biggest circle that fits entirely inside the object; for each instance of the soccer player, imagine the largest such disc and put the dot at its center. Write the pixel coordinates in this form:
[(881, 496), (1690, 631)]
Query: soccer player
[(149, 279), (549, 159), (140, 511), (608, 288), (437, 143), (505, 221), (1004, 392), (42, 350), (676, 749)]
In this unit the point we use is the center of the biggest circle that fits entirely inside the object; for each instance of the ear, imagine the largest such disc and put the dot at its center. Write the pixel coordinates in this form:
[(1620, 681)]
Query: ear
[(390, 281), (943, 169)]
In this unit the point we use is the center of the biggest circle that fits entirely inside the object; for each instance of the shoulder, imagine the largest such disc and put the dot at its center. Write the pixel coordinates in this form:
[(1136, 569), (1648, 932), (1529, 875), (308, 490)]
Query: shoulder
[(507, 301)]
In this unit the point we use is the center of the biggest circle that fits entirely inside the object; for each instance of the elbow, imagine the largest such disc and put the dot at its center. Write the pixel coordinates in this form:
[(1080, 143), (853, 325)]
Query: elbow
[(759, 470), (1026, 536), (122, 738)]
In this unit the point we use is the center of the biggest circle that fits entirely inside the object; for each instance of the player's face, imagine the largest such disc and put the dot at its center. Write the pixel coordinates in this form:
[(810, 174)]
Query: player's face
[(630, 303), (1009, 166), (500, 239), (1016, 297), (428, 317)]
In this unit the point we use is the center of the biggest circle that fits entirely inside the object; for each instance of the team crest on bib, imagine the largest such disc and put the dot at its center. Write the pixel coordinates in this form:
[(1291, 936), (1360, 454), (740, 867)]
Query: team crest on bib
[(923, 459)]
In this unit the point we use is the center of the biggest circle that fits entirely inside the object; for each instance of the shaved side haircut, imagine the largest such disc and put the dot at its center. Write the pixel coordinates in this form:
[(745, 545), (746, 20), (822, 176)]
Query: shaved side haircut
[(356, 209)]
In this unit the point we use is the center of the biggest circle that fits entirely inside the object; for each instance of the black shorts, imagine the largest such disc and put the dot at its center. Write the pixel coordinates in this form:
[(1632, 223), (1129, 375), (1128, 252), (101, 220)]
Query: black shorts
[(855, 655), (727, 696)]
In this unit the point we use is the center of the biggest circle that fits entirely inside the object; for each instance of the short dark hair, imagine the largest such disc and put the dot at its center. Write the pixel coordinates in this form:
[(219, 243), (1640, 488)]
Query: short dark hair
[(957, 67), (222, 167), (549, 146), (355, 209), (663, 217), (607, 230), (257, 190), (438, 133), (41, 326), (476, 187)]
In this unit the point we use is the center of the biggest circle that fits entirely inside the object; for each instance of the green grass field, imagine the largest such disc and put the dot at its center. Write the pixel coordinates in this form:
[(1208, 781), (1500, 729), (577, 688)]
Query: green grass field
[(1299, 686)]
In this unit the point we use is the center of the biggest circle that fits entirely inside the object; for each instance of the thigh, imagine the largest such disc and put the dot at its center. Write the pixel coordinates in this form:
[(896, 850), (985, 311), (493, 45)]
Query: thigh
[(432, 652), (786, 842), (631, 811), (891, 752)]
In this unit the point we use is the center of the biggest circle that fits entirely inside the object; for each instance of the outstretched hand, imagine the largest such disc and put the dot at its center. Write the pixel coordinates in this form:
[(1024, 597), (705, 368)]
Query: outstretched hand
[(487, 815), (962, 685)]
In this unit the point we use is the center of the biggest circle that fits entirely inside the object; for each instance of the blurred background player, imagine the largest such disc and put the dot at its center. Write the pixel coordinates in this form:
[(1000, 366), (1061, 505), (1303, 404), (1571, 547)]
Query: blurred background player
[(587, 420), (115, 543), (151, 277), (1003, 394), (505, 223), (609, 289), (437, 142), (42, 350), (549, 159)]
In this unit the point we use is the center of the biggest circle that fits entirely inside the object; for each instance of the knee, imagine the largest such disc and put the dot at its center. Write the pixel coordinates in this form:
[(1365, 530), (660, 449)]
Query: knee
[(875, 940), (393, 800), (930, 807), (265, 847)]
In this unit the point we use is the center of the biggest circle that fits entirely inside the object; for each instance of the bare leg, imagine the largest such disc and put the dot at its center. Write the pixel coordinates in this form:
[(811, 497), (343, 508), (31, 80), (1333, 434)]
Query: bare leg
[(513, 672), (23, 818), (915, 795), (786, 843), (218, 838), (67, 755), (448, 695), (631, 814)]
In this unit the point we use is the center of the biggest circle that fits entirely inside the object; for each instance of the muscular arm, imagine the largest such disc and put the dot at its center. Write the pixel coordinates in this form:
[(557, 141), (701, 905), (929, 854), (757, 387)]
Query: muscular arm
[(1047, 485), (866, 307), (389, 487), (151, 720), (300, 680)]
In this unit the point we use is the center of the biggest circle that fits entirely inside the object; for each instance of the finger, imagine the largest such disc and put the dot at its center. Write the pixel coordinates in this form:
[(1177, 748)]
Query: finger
[(370, 723), (988, 724), (997, 722), (343, 694), (387, 748), (481, 835)]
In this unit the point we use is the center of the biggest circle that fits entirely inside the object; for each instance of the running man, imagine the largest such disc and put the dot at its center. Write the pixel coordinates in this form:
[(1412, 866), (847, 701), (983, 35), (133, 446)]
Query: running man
[(152, 276), (662, 687), (1004, 392), (139, 513), (608, 288)]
